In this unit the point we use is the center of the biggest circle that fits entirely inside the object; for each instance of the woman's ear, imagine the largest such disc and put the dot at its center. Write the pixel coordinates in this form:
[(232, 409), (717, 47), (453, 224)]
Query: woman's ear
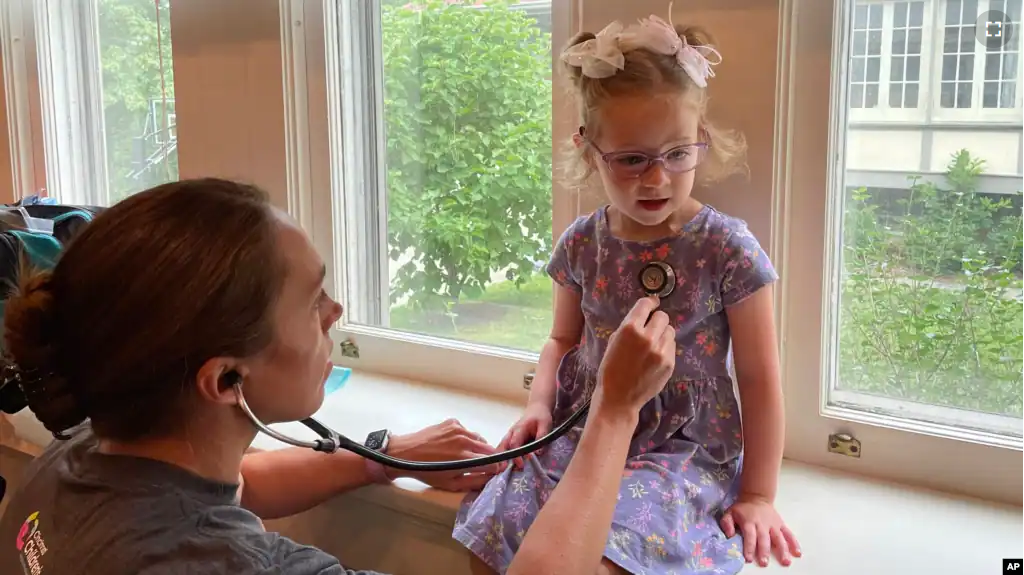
[(216, 378)]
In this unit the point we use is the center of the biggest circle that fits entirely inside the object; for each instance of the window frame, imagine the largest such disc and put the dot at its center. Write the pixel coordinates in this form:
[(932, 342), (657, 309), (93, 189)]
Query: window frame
[(810, 159), (357, 215)]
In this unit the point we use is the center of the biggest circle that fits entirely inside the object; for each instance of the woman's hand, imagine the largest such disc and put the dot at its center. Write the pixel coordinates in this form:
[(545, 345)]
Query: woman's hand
[(534, 423), (763, 531), (641, 356), (447, 441)]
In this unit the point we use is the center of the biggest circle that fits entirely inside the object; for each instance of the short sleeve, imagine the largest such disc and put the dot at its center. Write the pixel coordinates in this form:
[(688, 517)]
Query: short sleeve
[(560, 267), (745, 267)]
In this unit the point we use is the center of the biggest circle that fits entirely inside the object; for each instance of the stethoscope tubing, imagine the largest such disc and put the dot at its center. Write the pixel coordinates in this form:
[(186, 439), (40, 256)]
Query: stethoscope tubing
[(331, 441)]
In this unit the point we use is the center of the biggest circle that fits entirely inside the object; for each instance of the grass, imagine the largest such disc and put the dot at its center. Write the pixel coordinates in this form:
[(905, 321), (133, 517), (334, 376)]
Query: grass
[(504, 316)]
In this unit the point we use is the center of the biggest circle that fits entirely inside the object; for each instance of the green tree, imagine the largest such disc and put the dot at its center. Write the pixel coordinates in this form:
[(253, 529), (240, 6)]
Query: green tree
[(134, 34), (468, 119)]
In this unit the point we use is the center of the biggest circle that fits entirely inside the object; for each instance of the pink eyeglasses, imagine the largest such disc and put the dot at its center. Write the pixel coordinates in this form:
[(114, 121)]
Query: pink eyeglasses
[(630, 164)]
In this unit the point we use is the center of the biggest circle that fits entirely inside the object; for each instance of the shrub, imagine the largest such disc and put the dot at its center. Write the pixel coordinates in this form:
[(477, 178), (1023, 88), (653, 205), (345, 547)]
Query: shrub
[(931, 307), (468, 119)]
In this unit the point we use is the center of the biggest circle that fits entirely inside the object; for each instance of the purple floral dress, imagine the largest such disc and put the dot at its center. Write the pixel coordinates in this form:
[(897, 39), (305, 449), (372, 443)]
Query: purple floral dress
[(685, 457)]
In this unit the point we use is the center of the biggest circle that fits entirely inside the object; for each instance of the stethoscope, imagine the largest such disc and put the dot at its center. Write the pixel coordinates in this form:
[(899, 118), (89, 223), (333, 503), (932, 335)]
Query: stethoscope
[(656, 278)]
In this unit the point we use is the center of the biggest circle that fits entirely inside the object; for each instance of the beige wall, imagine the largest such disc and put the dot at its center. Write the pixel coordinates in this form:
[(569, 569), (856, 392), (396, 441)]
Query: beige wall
[(229, 91)]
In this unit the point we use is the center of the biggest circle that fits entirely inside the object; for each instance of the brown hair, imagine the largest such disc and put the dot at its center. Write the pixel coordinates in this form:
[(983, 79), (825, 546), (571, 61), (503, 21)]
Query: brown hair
[(649, 73), (153, 288)]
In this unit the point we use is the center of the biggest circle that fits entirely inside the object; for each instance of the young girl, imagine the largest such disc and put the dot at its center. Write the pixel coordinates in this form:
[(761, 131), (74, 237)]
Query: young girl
[(692, 498)]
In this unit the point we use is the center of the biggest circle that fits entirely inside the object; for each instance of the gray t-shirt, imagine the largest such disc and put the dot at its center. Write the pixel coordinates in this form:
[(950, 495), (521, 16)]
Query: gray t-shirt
[(81, 512)]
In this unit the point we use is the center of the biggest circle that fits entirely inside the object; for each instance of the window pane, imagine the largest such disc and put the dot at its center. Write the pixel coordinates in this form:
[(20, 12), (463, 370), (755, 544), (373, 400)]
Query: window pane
[(858, 70), (990, 95), (469, 170), (875, 16), (900, 14), (953, 11), (948, 68), (1008, 95), (947, 95), (871, 96), (963, 95), (873, 69), (875, 42), (914, 41), (859, 43), (916, 13), (992, 66), (899, 41), (967, 39), (896, 70), (857, 96), (966, 69), (860, 17), (896, 96), (138, 94), (929, 318), (914, 68), (970, 11), (910, 97), (951, 39)]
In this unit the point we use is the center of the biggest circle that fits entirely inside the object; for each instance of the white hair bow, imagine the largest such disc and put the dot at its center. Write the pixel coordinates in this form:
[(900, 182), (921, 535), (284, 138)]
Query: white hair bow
[(603, 56)]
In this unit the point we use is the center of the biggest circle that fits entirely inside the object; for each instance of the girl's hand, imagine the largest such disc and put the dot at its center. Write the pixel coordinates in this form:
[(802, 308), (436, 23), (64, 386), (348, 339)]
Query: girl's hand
[(535, 423), (762, 529)]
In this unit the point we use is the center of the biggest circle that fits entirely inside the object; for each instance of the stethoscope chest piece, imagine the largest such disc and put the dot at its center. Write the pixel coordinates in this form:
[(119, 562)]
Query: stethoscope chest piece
[(658, 278)]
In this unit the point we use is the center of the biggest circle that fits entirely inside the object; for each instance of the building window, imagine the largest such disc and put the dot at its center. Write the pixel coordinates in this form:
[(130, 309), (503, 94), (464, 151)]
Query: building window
[(1001, 57), (958, 53), (905, 62), (867, 56)]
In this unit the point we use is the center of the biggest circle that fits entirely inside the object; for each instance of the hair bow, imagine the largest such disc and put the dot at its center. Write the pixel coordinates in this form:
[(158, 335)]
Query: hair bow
[(603, 56), (598, 57)]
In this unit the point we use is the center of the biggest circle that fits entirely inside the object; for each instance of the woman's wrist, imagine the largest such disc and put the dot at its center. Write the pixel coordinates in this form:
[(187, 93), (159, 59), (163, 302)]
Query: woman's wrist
[(615, 416)]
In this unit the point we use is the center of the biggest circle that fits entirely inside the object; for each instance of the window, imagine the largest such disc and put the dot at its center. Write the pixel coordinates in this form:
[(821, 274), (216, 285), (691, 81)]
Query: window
[(138, 95), (1001, 56), (458, 178), (918, 326), (980, 64), (958, 53), (105, 89), (867, 56), (905, 62)]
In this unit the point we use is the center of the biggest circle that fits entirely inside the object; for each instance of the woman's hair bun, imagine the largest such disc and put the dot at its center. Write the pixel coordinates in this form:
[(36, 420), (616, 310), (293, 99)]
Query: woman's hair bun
[(29, 327)]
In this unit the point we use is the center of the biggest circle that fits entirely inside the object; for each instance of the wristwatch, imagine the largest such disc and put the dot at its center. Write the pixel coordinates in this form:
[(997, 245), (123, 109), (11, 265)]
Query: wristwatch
[(378, 441)]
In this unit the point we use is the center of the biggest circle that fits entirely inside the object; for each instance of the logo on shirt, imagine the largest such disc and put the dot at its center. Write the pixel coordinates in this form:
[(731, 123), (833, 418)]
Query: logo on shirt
[(31, 546)]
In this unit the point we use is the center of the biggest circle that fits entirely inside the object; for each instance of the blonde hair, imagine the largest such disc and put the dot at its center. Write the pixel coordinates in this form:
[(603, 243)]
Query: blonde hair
[(649, 72)]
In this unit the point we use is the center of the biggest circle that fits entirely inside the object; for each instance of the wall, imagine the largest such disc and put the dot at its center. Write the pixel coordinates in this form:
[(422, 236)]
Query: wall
[(229, 91)]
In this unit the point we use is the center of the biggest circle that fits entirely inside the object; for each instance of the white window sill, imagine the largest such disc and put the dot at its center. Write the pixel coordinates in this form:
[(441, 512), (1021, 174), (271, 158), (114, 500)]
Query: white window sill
[(846, 524)]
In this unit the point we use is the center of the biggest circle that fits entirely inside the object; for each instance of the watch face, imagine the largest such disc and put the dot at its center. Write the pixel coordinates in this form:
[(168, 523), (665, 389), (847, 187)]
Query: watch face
[(376, 440)]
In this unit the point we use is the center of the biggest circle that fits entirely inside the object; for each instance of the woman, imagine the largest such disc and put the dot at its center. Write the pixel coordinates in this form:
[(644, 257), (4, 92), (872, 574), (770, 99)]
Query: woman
[(149, 315)]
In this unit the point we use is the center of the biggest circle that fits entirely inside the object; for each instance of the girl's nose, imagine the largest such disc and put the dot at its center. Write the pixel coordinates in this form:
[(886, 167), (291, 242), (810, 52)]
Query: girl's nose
[(656, 176)]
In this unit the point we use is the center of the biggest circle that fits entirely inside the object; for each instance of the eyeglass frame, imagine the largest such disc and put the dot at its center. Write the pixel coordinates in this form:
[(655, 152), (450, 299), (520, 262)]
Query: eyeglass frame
[(651, 160)]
